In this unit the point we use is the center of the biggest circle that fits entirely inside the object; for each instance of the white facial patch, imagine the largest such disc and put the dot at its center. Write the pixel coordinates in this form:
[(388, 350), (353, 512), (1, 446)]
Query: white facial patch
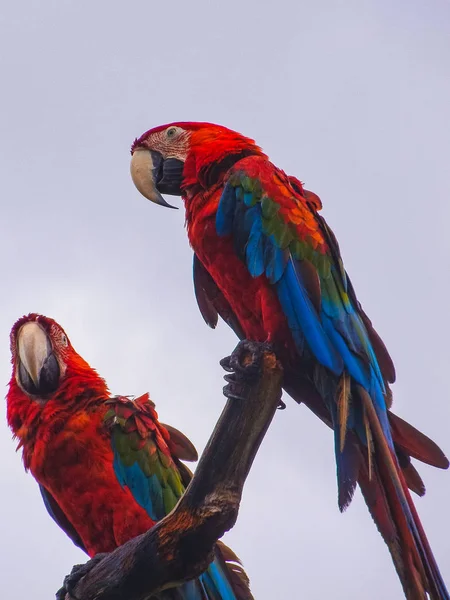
[(172, 145)]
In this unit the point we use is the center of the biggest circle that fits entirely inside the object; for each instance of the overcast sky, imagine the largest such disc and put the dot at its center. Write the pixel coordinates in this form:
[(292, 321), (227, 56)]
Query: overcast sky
[(353, 98)]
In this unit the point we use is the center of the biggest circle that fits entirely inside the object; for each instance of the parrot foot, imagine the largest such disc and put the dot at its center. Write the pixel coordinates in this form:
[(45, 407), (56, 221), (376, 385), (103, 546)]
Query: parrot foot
[(244, 365), (78, 571)]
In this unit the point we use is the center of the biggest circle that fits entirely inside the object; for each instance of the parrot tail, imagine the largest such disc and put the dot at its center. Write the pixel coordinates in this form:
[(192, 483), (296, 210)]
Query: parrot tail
[(384, 476), (384, 483), (224, 579)]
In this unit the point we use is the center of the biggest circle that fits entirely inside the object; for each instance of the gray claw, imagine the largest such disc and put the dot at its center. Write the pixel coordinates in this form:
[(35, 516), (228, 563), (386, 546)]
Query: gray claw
[(241, 373)]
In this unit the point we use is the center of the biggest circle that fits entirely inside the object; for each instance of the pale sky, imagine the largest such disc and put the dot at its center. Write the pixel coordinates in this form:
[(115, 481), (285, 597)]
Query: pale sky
[(351, 97)]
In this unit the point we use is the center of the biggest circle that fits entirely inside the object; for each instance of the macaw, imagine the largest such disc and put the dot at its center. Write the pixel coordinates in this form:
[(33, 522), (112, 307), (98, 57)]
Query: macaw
[(267, 262), (107, 469)]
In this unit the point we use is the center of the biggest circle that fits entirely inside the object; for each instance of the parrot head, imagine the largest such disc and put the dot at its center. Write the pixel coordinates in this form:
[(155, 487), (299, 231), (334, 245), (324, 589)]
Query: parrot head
[(47, 373), (180, 158)]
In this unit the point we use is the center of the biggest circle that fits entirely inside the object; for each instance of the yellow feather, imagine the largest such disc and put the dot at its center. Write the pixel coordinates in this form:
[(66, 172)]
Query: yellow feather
[(343, 402)]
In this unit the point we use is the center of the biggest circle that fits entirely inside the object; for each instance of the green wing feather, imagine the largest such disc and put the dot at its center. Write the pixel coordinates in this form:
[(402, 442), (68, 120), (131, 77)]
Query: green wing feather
[(146, 455)]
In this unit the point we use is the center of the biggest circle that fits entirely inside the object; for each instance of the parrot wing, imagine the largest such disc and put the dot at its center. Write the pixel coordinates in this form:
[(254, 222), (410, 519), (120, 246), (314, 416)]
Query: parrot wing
[(278, 233), (145, 459), (211, 302), (408, 441), (56, 513)]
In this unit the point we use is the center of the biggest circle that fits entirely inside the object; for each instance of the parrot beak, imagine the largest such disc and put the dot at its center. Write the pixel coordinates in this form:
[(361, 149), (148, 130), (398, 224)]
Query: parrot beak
[(38, 370), (153, 175)]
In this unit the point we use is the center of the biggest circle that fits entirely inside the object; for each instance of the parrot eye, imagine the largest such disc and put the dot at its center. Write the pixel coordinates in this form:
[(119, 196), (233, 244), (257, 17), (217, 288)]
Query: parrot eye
[(64, 340), (172, 132)]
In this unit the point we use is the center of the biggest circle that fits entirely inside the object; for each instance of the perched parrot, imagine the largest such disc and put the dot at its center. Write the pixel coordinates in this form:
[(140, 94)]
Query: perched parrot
[(267, 262), (106, 467)]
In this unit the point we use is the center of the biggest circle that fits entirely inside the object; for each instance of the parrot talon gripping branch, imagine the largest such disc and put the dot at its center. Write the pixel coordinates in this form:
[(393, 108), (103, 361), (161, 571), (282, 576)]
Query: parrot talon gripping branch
[(267, 262), (243, 367), (246, 358), (111, 474)]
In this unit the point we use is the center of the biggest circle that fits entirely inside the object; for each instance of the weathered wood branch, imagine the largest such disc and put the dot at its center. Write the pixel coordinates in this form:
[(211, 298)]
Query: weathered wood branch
[(180, 546)]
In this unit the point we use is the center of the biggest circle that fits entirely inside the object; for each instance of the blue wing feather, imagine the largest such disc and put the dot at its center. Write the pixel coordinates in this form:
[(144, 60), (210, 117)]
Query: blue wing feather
[(275, 260), (225, 212), (146, 491), (306, 319), (254, 250)]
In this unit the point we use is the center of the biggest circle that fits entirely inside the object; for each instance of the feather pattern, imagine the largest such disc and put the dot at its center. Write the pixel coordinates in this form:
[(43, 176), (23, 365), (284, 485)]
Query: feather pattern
[(276, 216)]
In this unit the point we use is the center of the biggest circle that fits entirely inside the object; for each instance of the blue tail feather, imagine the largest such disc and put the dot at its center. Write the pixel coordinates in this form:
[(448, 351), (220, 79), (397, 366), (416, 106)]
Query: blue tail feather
[(216, 582), (213, 584)]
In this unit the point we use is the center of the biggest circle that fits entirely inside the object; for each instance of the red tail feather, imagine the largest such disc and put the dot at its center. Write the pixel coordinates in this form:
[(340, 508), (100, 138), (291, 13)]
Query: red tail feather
[(386, 493), (416, 444), (411, 552)]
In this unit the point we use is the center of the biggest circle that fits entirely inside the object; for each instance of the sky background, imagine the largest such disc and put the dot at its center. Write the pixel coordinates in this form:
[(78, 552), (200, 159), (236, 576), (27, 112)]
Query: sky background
[(353, 98)]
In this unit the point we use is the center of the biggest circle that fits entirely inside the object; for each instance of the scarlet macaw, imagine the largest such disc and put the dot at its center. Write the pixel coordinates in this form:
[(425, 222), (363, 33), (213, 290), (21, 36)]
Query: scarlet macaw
[(106, 467), (267, 262)]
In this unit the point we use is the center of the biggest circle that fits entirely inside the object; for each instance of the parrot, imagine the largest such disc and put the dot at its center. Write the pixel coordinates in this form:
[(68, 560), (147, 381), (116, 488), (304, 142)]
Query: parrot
[(266, 261), (107, 469)]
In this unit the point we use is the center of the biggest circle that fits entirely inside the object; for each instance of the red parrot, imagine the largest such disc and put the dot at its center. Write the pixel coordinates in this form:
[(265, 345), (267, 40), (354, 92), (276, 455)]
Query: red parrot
[(268, 263), (106, 467)]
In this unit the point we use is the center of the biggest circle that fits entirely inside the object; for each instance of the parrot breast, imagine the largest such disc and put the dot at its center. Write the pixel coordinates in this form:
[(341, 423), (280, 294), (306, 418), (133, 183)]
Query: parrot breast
[(75, 464)]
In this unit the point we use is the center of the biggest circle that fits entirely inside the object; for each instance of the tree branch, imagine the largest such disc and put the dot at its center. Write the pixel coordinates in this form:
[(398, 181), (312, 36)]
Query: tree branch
[(180, 546)]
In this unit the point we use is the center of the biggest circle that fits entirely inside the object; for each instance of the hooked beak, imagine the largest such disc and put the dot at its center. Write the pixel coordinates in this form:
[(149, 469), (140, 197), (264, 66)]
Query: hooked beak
[(153, 175), (38, 370)]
